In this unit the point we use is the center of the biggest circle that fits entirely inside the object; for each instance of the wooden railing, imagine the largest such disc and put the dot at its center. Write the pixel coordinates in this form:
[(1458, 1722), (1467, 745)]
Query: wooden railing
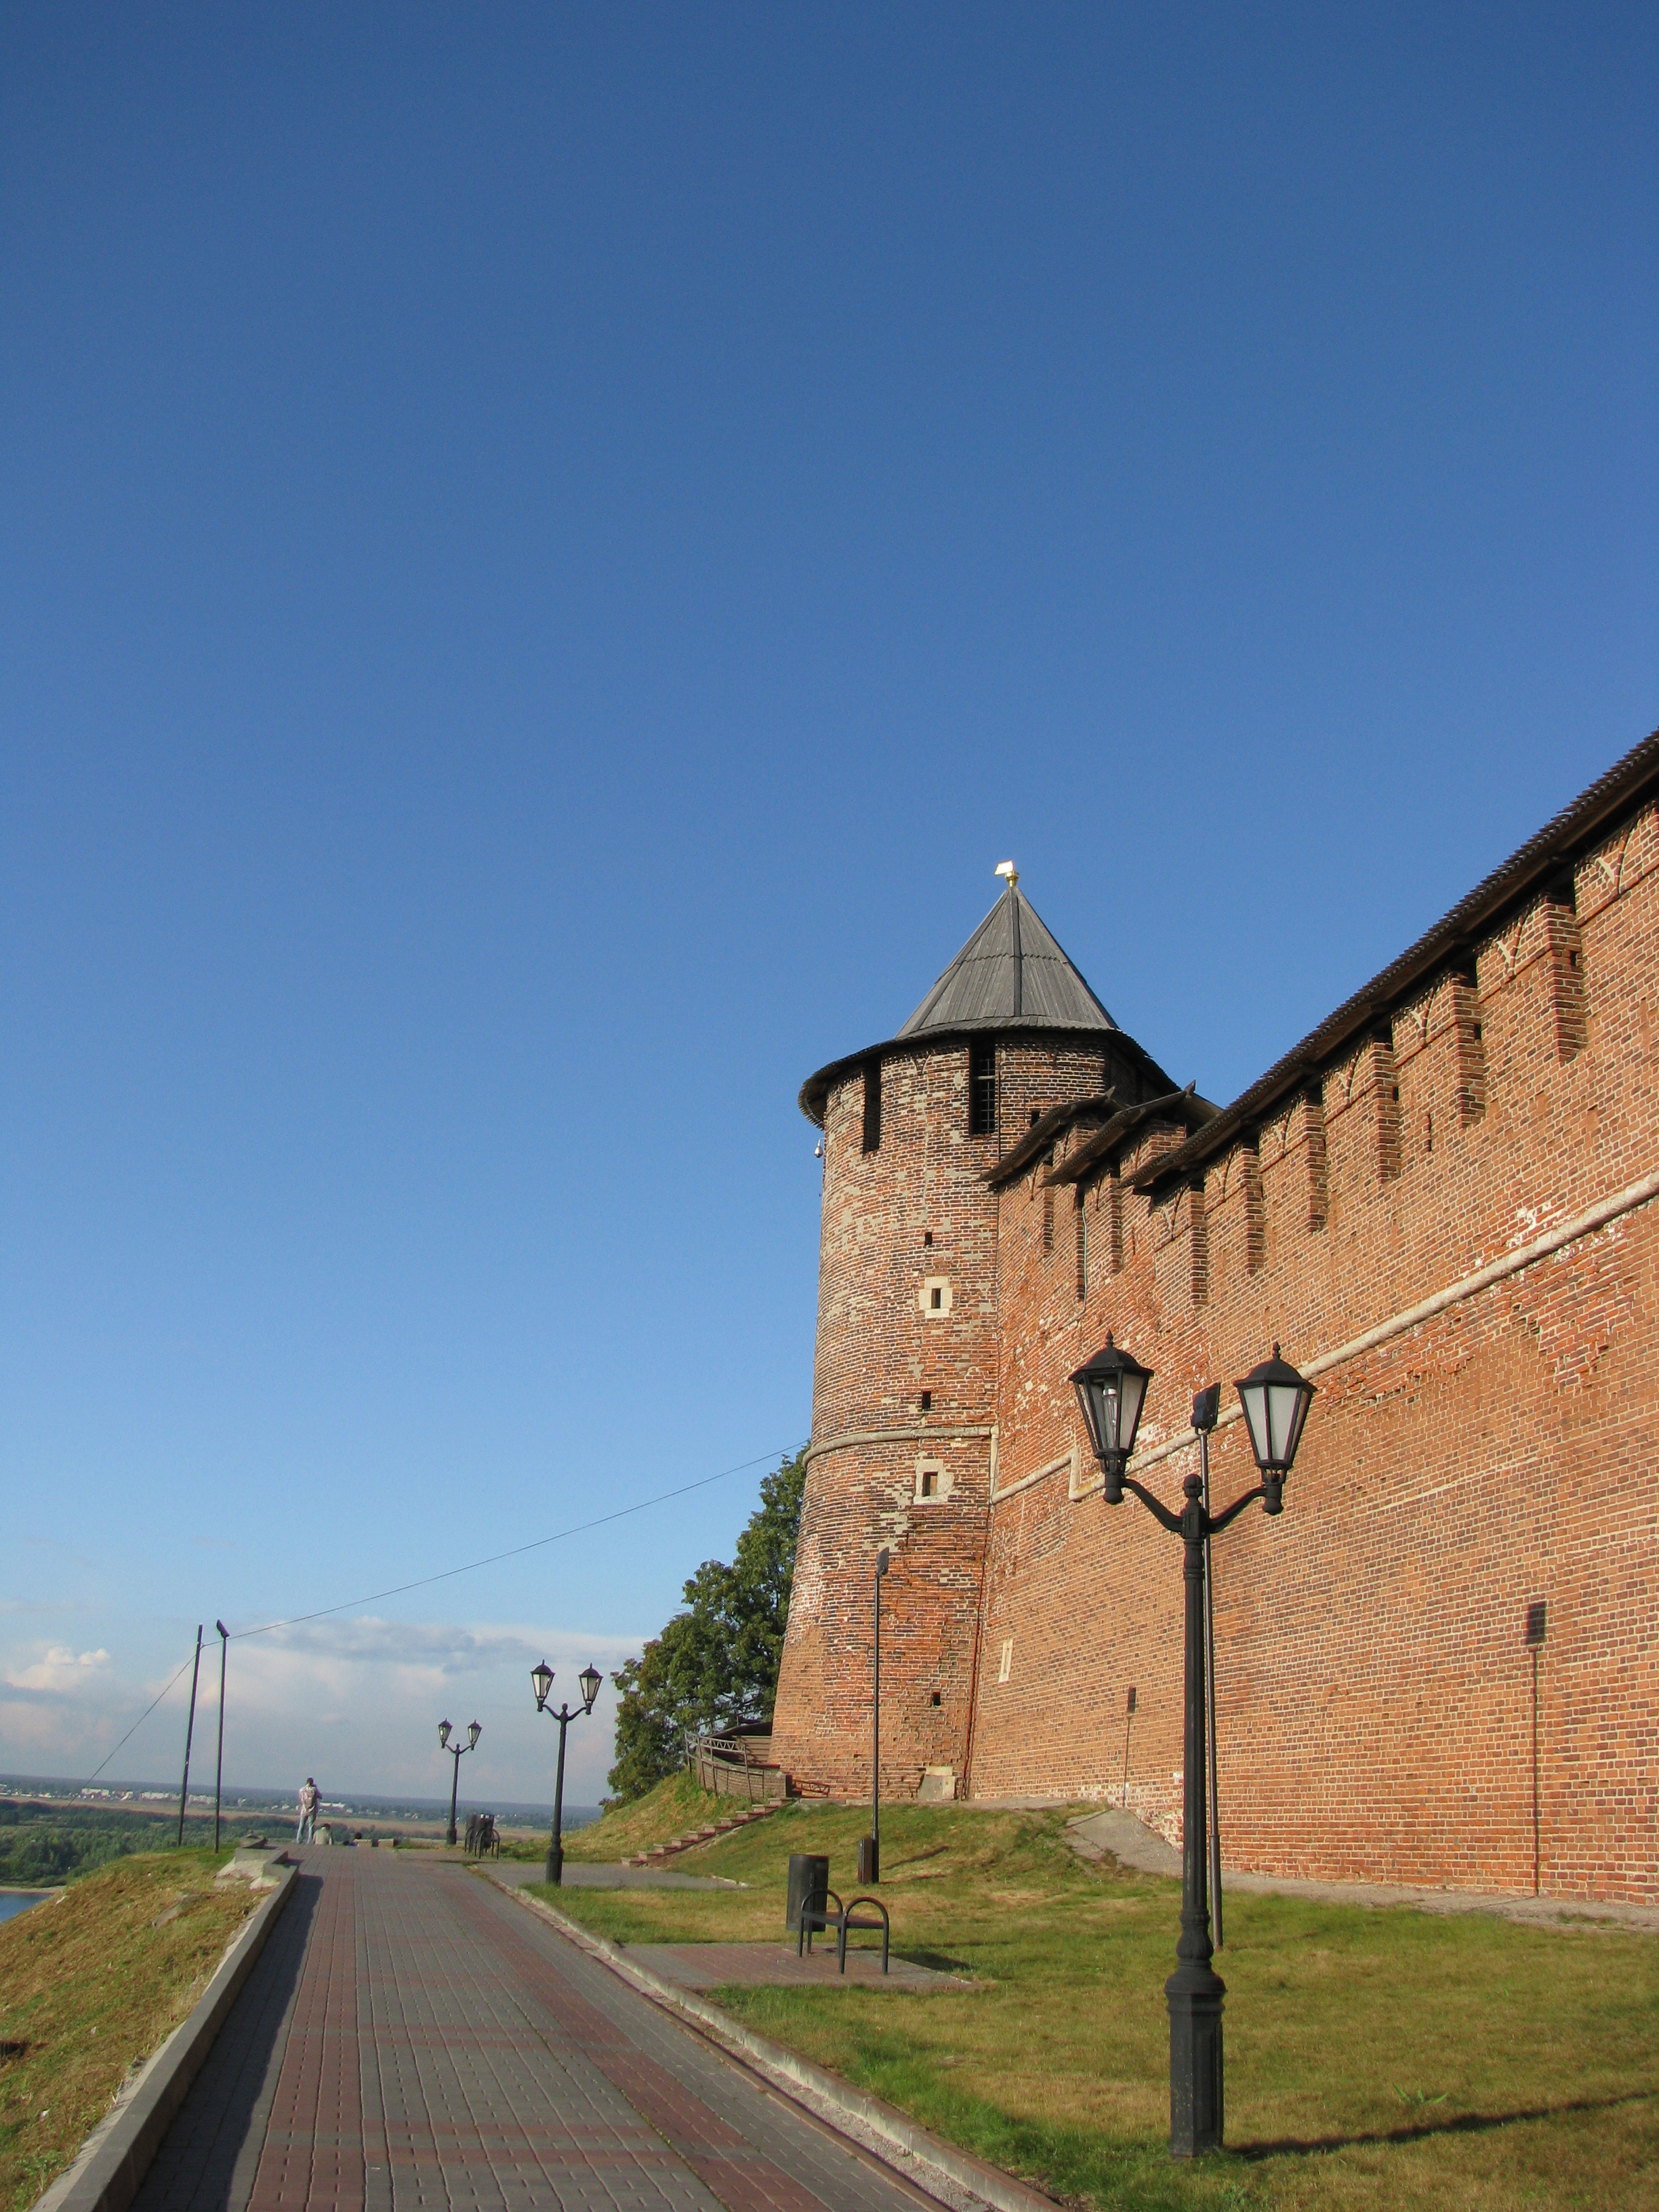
[(738, 1766)]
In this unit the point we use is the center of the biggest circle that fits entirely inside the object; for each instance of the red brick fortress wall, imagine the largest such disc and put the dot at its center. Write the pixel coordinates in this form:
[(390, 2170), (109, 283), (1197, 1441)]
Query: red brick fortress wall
[(1454, 1225)]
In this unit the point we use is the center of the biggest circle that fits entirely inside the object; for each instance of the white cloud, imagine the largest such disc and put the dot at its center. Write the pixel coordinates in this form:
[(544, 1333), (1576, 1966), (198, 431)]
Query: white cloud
[(57, 1669), (360, 1697)]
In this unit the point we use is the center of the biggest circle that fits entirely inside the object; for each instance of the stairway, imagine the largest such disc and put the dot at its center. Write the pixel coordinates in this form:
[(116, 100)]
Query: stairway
[(693, 1837)]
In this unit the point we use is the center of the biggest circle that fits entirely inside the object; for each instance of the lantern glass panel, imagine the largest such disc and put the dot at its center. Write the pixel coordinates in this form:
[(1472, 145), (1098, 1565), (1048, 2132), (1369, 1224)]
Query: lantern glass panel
[(443, 1735), (1111, 1388), (1086, 1400), (541, 1680), (1284, 1402), (1109, 1412), (1254, 1397), (473, 1732), (1132, 1391), (590, 1679), (1275, 1399)]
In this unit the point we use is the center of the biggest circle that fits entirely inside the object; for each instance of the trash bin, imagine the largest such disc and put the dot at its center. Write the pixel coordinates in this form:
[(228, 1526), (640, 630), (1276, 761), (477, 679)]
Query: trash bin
[(809, 1885)]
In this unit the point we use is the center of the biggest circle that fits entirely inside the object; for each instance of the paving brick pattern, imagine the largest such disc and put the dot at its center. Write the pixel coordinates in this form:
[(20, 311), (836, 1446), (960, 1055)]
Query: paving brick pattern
[(211, 2152), (413, 2039), (314, 2146)]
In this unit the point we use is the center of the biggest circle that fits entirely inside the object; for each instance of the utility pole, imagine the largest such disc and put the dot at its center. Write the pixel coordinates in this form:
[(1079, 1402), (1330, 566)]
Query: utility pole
[(190, 1730)]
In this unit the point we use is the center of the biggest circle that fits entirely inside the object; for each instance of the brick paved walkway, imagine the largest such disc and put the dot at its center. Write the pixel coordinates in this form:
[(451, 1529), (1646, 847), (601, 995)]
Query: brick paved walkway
[(412, 2038)]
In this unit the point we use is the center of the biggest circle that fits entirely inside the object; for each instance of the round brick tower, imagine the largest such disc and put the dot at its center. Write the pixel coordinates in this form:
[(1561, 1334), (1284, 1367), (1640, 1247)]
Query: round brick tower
[(904, 1383)]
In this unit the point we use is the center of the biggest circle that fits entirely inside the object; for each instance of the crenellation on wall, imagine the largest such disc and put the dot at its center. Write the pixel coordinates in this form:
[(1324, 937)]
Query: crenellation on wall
[(1317, 1154), (1382, 1077), (1564, 956), (1198, 1241)]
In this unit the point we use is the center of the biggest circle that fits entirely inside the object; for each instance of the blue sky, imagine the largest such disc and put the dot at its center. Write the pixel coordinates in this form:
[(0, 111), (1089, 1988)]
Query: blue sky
[(544, 555)]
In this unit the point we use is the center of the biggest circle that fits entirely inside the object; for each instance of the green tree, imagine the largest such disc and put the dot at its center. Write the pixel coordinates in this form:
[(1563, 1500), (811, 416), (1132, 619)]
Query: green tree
[(715, 1664)]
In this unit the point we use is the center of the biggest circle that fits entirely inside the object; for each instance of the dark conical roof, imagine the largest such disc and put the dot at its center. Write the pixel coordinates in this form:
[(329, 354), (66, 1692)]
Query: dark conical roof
[(1011, 974)]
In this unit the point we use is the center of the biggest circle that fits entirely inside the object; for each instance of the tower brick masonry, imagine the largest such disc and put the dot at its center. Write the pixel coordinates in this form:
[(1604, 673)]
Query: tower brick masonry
[(1443, 1203)]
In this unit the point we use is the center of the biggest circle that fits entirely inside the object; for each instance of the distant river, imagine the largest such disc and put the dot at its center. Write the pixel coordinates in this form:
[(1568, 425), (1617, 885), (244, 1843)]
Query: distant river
[(13, 1901)]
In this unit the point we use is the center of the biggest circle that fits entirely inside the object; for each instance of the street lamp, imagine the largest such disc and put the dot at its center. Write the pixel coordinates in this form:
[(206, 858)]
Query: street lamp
[(457, 1752), (219, 1767), (1111, 1390), (541, 1680), (1275, 1399), (870, 1848)]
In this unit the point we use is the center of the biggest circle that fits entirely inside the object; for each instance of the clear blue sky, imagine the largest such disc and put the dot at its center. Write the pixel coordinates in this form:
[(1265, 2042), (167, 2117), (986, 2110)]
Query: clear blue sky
[(544, 555)]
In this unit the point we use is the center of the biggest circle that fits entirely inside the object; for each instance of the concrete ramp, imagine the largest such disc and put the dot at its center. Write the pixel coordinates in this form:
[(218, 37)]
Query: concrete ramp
[(1128, 1840)]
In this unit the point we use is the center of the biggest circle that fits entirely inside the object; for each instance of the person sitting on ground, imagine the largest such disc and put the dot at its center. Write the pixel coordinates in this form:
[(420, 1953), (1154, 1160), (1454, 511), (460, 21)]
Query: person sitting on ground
[(309, 1801)]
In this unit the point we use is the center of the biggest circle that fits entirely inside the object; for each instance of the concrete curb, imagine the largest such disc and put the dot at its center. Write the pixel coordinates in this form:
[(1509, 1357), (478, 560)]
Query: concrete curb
[(878, 2126), (116, 2157)]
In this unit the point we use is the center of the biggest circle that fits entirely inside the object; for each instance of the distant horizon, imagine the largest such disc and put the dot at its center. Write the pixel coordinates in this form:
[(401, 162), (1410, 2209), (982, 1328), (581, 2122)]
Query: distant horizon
[(148, 1796)]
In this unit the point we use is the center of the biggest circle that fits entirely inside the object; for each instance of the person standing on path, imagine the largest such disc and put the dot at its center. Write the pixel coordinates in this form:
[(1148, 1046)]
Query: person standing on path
[(307, 1830)]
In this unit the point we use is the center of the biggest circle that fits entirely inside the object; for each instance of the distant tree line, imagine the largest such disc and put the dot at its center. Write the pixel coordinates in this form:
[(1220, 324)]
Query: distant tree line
[(715, 1665), (44, 1844)]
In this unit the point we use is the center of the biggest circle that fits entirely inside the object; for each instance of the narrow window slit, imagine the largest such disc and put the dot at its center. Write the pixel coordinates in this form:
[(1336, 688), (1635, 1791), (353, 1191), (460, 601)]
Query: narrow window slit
[(983, 1087), (873, 1106)]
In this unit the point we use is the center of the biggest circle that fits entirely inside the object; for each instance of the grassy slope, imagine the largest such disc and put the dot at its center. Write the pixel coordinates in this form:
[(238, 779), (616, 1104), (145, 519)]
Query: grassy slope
[(670, 1809), (1387, 2059), (89, 1984)]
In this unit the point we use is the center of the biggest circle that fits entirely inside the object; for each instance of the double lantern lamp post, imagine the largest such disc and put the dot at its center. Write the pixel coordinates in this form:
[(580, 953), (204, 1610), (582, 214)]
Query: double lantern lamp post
[(1111, 1388), (457, 1752), (541, 1680)]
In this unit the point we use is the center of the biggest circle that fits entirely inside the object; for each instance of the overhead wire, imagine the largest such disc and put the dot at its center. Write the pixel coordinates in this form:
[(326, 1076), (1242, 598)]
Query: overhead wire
[(516, 1552), (134, 1730), (471, 1566)]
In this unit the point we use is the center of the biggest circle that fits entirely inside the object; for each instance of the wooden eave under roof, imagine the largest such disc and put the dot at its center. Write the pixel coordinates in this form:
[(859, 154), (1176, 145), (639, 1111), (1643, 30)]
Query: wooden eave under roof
[(815, 1091), (1039, 1140), (1449, 947), (1097, 1155)]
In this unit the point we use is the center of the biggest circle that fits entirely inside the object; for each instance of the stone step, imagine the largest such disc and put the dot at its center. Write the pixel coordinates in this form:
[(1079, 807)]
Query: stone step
[(705, 1834)]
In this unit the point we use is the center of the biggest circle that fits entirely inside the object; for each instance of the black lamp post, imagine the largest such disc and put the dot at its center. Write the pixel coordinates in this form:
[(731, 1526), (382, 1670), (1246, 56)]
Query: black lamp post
[(541, 1680), (219, 1766), (870, 1849), (1111, 1388), (457, 1752)]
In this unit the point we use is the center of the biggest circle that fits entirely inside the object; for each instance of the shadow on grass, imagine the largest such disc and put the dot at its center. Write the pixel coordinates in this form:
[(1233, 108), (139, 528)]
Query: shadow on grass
[(1460, 2124), (940, 1962)]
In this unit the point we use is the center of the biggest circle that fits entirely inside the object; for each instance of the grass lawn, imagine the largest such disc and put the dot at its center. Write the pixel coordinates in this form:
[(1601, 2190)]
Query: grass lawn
[(90, 1983), (1378, 2058)]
